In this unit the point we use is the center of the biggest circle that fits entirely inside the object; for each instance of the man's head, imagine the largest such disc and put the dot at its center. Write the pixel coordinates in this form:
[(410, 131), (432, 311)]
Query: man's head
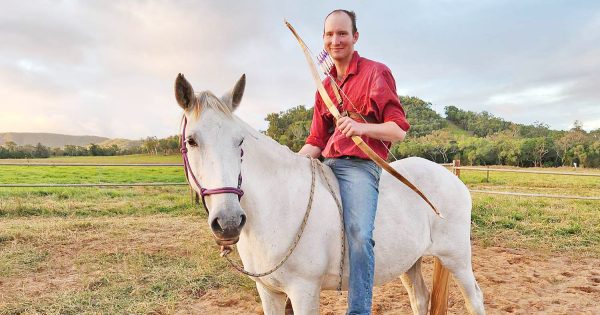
[(340, 34)]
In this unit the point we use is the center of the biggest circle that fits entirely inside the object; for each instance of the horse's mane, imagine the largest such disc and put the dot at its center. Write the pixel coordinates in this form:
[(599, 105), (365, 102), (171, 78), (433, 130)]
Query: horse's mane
[(208, 99)]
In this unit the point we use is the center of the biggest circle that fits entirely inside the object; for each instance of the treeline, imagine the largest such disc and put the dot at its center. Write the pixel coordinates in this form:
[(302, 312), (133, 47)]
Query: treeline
[(150, 145), (474, 138)]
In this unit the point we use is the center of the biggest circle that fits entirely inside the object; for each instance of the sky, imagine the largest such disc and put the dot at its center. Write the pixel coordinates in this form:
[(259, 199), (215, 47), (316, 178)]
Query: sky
[(107, 68)]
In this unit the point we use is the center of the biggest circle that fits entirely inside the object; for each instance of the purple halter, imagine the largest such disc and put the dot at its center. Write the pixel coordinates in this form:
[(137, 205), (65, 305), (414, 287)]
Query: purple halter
[(203, 191)]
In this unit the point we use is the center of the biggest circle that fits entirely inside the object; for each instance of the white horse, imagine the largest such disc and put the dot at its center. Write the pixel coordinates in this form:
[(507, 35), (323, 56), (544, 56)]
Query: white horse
[(276, 185)]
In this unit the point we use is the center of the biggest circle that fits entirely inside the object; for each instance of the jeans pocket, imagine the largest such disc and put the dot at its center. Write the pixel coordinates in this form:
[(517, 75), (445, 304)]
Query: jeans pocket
[(329, 162), (374, 169)]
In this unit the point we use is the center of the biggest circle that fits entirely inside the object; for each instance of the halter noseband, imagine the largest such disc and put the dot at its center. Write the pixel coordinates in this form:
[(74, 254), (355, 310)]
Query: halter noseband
[(203, 191)]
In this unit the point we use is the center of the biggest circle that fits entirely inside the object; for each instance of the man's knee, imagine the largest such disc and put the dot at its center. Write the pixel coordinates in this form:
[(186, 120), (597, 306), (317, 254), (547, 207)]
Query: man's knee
[(360, 237)]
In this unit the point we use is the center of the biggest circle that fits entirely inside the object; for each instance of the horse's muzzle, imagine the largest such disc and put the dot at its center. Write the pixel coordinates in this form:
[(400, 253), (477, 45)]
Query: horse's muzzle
[(223, 242), (227, 232)]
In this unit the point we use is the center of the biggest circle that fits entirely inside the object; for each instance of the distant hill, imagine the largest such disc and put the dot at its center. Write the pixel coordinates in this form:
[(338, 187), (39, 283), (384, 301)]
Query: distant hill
[(55, 140), (121, 143)]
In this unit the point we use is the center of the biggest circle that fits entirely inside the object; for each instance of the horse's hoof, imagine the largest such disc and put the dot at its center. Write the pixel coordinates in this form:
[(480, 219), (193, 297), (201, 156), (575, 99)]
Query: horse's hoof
[(288, 308)]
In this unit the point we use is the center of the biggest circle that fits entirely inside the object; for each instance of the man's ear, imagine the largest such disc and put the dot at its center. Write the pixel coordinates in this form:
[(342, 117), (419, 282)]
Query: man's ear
[(355, 37), (184, 93)]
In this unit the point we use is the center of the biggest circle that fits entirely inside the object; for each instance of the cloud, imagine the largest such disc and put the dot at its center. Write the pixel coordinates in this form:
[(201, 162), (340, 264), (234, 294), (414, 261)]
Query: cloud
[(540, 95), (108, 67)]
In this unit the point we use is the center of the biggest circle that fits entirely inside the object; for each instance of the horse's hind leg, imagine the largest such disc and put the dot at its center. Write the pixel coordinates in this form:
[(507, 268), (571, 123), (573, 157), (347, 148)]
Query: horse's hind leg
[(273, 303), (417, 290), (461, 269)]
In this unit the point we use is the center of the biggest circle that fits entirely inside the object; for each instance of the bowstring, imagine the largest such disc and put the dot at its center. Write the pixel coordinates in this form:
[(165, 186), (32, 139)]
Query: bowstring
[(327, 74)]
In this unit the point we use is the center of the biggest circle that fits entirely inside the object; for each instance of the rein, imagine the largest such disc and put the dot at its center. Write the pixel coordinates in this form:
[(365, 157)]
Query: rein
[(203, 191)]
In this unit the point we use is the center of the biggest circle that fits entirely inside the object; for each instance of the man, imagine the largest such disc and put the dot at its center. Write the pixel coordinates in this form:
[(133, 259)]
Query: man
[(368, 93)]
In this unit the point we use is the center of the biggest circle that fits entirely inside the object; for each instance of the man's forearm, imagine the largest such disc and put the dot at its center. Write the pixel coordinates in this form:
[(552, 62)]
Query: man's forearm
[(387, 131), (310, 150)]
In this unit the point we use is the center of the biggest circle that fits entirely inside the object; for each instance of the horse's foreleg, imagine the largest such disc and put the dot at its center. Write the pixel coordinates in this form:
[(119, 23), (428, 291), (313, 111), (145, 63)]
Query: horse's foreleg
[(417, 289), (305, 297), (273, 303)]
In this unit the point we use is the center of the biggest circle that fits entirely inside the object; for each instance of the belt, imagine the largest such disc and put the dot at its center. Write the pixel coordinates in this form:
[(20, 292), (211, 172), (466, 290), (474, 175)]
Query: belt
[(359, 118), (355, 116), (349, 157)]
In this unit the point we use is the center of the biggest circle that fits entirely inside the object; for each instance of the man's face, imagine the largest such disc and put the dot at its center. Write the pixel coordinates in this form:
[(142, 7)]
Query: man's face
[(338, 38)]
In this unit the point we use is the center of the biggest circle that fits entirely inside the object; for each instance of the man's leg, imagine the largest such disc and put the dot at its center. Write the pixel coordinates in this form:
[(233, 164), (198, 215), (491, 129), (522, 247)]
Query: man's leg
[(359, 188)]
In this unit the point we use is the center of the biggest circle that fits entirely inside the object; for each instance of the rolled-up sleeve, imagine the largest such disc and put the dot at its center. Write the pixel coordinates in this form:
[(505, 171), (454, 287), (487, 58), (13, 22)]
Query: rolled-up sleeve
[(319, 128), (384, 99)]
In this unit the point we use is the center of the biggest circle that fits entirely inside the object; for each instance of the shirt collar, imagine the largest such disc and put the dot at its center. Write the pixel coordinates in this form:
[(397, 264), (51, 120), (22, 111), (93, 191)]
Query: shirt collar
[(352, 67)]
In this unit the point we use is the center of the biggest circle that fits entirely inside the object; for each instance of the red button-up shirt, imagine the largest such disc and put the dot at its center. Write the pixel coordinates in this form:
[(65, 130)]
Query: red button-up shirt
[(371, 88)]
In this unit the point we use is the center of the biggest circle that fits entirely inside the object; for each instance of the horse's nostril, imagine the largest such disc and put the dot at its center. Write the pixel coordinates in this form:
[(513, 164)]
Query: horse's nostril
[(243, 221), (215, 226)]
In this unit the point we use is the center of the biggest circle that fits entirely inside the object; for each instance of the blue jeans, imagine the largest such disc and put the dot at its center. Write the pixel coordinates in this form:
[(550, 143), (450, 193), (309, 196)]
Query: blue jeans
[(359, 189)]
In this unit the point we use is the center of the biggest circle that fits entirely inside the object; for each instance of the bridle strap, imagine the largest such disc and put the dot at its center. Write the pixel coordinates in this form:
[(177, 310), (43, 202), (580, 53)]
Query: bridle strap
[(203, 191)]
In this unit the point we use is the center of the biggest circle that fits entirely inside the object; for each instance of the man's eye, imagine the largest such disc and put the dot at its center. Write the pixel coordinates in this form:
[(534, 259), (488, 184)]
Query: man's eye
[(191, 142)]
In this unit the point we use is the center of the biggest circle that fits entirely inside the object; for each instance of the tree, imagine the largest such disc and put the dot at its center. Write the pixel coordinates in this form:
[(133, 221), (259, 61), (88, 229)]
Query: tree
[(95, 150), (169, 145), (441, 143), (577, 125), (565, 144), (423, 120), (41, 151), (541, 147), (290, 127), (11, 146), (151, 145)]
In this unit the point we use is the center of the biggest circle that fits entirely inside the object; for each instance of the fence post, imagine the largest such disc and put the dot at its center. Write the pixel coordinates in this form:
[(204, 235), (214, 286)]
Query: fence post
[(441, 275), (456, 167)]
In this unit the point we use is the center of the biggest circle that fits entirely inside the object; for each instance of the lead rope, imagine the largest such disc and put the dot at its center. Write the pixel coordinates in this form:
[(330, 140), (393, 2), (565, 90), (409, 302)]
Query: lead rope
[(343, 234), (226, 250)]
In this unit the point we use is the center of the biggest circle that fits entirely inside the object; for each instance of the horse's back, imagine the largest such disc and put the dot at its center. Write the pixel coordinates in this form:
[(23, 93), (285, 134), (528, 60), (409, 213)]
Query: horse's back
[(446, 191), (405, 226)]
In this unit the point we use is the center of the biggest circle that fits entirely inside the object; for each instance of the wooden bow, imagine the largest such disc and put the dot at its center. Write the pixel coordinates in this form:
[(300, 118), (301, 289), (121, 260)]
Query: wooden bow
[(357, 140)]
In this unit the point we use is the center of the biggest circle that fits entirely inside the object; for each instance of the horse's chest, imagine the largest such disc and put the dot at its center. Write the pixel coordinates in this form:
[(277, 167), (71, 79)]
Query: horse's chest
[(272, 283)]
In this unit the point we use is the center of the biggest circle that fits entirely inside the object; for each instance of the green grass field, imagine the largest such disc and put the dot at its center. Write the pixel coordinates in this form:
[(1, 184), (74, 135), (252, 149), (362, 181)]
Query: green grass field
[(149, 249)]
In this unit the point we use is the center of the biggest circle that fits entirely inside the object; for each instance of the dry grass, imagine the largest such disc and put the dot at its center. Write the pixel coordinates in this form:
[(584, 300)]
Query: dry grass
[(148, 250), (109, 265)]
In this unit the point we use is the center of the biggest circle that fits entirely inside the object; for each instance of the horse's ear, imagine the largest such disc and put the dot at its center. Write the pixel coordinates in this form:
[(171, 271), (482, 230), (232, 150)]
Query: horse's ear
[(234, 98), (184, 93)]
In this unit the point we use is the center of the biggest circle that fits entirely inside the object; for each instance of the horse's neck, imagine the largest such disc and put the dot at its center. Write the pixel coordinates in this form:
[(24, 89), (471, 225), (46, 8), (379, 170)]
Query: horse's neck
[(274, 182)]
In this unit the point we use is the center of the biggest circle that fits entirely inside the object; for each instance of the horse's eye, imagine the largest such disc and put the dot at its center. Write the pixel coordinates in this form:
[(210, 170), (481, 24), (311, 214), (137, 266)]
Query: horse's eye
[(191, 142), (241, 142)]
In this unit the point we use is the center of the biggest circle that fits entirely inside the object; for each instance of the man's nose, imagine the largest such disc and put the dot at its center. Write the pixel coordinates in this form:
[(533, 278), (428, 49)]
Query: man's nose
[(335, 40)]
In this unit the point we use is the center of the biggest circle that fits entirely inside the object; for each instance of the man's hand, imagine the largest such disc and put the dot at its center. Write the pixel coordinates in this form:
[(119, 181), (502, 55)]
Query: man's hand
[(349, 127)]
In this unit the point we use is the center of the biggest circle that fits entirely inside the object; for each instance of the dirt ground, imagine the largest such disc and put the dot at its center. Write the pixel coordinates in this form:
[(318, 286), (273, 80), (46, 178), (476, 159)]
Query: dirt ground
[(513, 282)]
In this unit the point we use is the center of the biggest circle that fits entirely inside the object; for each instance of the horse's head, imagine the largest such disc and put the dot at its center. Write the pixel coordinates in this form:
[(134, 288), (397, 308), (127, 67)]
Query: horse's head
[(212, 150)]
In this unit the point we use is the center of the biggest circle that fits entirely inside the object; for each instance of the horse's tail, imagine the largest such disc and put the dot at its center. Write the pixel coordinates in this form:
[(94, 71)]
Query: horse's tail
[(439, 292)]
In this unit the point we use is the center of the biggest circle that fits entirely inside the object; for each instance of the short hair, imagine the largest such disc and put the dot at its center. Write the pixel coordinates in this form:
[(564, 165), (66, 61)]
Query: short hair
[(350, 14)]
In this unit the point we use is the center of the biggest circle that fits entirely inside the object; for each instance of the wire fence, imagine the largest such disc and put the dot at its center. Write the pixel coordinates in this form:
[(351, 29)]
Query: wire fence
[(525, 171), (86, 164), (455, 167), (49, 185)]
